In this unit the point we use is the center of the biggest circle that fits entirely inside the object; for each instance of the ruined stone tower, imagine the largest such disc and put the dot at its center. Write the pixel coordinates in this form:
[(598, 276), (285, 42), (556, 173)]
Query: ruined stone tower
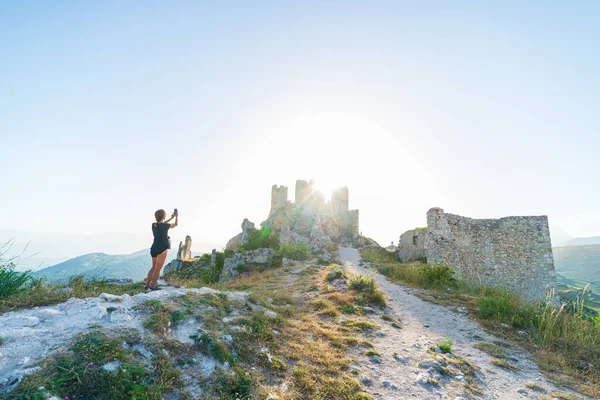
[(307, 196), (279, 196)]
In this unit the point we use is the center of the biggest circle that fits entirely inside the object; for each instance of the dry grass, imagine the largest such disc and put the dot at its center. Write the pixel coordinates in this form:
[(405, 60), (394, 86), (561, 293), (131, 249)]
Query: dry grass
[(504, 364), (491, 349)]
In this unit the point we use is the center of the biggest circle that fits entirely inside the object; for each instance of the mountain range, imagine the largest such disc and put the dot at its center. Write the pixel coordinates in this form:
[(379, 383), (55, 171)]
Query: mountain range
[(101, 265)]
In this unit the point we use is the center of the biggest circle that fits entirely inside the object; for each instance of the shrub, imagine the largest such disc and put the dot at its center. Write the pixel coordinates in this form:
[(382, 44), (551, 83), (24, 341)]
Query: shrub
[(11, 281), (295, 251), (260, 238), (368, 290), (333, 274), (378, 255), (418, 274)]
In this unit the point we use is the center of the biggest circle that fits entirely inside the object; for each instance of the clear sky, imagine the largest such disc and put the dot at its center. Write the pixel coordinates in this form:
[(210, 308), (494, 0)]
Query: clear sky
[(111, 109)]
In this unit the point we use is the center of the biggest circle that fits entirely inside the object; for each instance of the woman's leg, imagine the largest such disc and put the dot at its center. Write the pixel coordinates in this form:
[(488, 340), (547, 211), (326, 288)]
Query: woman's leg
[(160, 262), (151, 272)]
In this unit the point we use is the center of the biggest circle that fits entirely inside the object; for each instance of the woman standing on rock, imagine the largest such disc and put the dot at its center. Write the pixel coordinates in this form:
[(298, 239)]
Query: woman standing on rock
[(160, 246)]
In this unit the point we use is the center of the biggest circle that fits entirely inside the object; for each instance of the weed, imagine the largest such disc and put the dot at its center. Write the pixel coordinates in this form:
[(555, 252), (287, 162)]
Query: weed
[(295, 251), (445, 346), (368, 290), (157, 323), (504, 364), (372, 352), (535, 387), (334, 273), (177, 316), (11, 281), (491, 349)]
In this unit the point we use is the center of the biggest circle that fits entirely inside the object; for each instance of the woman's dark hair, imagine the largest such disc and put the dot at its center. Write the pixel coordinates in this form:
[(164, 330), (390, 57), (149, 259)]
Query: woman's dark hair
[(160, 215)]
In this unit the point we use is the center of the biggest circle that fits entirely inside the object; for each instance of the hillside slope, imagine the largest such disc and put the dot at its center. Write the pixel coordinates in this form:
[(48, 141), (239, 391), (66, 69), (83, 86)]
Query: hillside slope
[(101, 265)]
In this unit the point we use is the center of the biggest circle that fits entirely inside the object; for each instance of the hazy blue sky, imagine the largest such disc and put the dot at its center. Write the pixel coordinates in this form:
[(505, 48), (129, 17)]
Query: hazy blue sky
[(110, 110)]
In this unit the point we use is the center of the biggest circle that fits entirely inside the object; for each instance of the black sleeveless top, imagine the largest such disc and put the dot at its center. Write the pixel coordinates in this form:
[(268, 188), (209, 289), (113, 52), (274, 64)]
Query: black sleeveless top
[(162, 241)]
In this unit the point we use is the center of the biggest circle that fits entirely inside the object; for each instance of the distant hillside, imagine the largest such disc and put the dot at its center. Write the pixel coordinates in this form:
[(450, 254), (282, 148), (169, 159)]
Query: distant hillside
[(100, 265), (576, 268), (583, 241), (578, 262)]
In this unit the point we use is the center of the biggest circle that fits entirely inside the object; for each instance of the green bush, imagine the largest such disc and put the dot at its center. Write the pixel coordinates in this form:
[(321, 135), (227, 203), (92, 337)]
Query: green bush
[(418, 274), (368, 290), (11, 281), (378, 256), (295, 251), (260, 238)]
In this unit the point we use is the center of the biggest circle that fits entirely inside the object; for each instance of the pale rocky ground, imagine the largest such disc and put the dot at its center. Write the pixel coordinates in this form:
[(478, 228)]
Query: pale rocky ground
[(30, 335), (422, 325)]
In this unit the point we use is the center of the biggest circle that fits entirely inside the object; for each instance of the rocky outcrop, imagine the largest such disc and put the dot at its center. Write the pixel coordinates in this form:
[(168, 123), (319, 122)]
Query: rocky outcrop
[(247, 261), (234, 242), (241, 238), (363, 242), (185, 249), (299, 223)]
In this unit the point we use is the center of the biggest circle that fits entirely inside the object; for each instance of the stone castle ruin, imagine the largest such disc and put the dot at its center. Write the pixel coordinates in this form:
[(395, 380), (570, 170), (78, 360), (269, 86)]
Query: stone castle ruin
[(511, 253), (306, 195)]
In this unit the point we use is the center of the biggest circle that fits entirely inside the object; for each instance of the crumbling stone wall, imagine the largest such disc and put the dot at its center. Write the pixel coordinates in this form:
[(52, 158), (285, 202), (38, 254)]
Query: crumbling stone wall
[(339, 200), (303, 191), (511, 253), (411, 246), (279, 196)]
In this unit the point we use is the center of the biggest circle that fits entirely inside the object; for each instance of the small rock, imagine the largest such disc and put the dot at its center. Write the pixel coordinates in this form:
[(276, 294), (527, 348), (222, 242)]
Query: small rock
[(18, 322), (46, 313), (74, 306), (368, 309), (450, 355), (504, 325), (376, 359), (120, 315), (227, 338), (426, 364), (269, 300), (386, 384), (399, 358), (393, 387), (460, 398), (112, 367), (437, 350), (422, 379), (276, 333), (270, 314), (366, 380), (521, 332), (522, 392), (425, 326), (112, 298)]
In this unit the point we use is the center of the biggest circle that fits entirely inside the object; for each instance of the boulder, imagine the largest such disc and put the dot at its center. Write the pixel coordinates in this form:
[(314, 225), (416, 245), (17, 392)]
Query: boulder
[(258, 259), (234, 242)]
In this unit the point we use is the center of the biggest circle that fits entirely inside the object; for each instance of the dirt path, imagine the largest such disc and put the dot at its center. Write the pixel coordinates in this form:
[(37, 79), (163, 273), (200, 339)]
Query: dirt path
[(425, 324)]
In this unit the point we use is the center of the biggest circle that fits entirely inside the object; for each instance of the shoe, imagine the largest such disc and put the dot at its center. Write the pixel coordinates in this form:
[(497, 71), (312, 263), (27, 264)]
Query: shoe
[(155, 288)]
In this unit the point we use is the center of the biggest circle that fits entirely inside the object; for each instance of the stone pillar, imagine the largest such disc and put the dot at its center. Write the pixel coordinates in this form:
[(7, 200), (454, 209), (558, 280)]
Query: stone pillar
[(213, 257), (185, 251)]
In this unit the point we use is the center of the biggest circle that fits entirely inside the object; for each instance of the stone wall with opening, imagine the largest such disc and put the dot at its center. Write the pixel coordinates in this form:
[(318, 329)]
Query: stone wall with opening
[(411, 246)]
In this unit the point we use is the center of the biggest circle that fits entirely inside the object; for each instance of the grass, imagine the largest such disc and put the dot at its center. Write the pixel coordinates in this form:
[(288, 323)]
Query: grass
[(504, 364), (294, 251), (39, 292), (564, 342), (372, 352), (368, 291), (11, 281), (535, 387), (445, 345), (492, 349)]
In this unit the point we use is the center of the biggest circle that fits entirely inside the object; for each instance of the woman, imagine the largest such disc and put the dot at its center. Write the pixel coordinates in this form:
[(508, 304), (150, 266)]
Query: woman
[(160, 246)]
